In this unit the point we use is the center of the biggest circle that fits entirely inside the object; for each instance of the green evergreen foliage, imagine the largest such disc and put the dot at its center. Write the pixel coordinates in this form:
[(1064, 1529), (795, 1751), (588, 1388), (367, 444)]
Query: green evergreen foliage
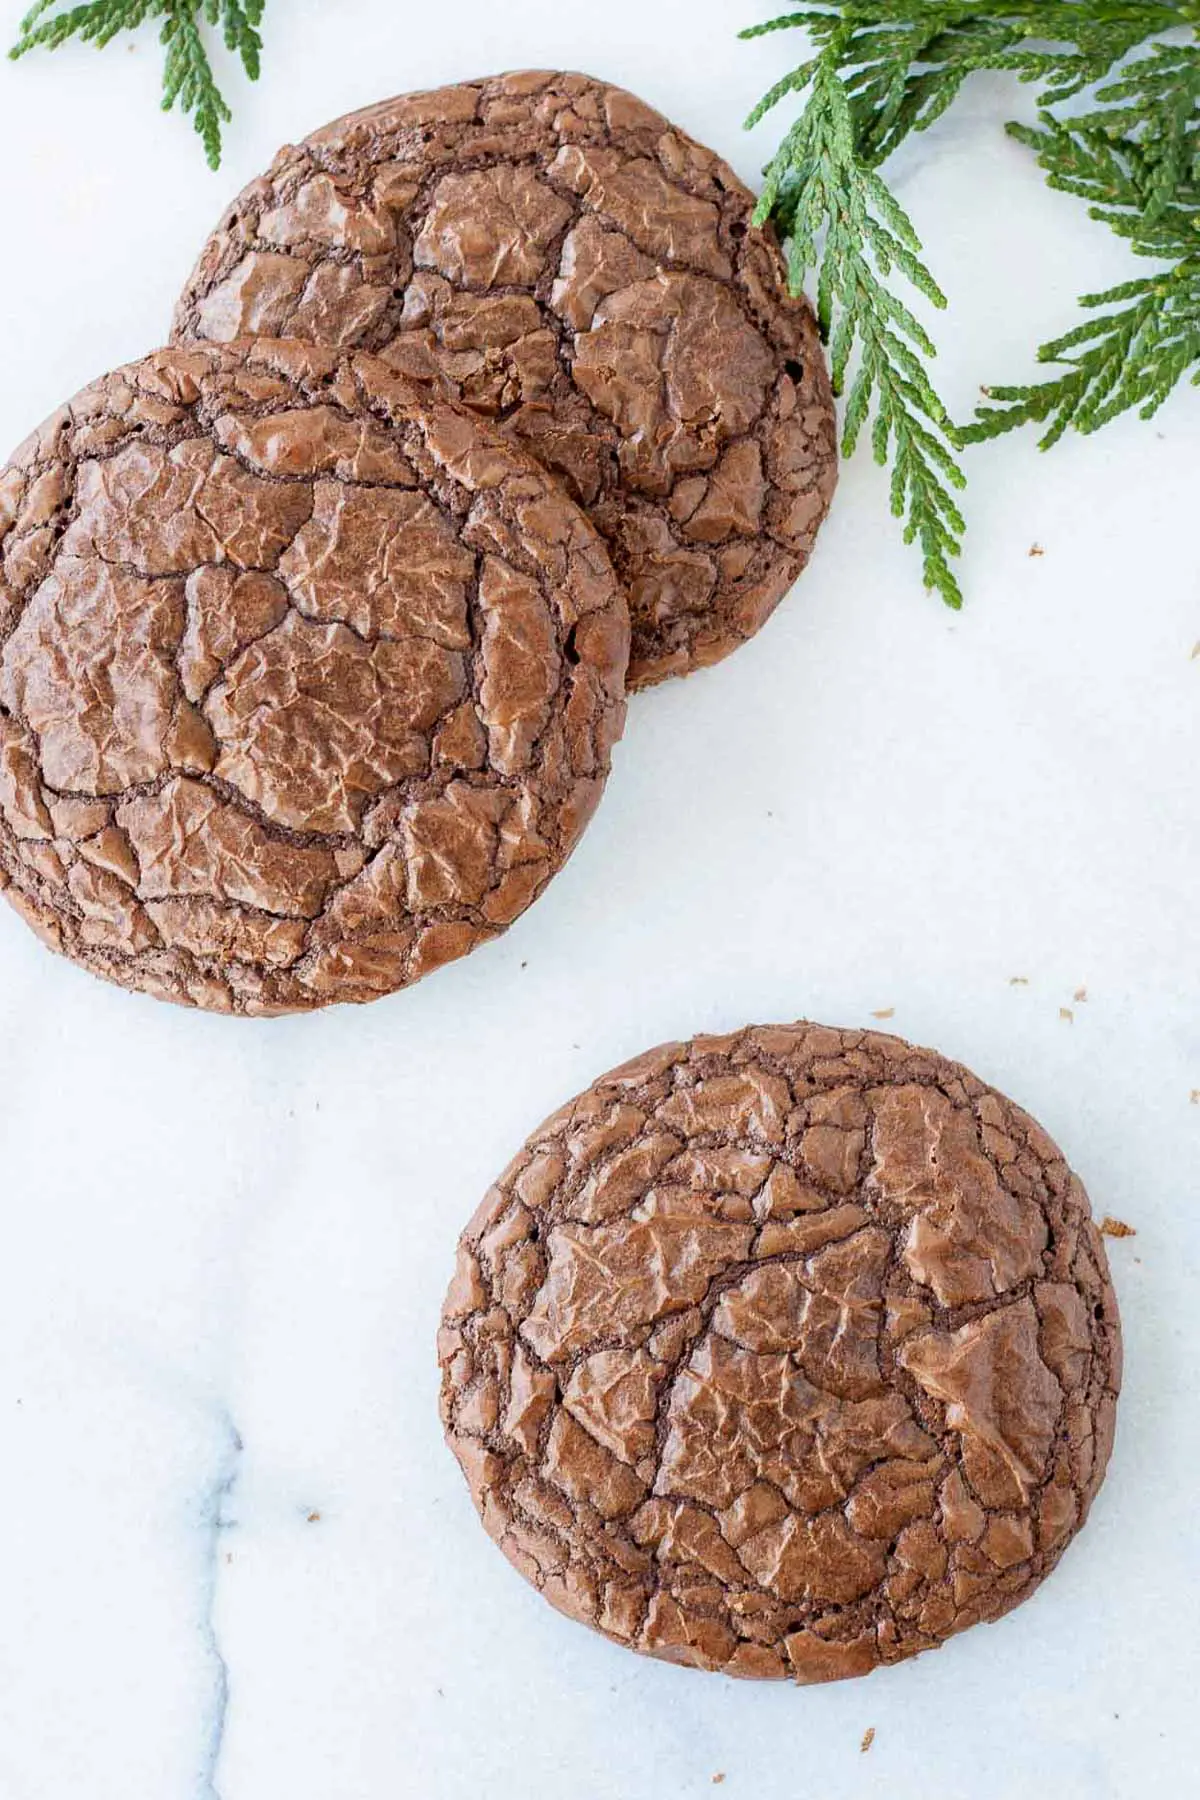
[(1118, 125), (188, 78)]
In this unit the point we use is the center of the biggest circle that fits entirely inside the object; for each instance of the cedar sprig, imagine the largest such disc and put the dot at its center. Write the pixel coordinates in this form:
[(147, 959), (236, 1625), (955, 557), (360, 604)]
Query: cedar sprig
[(903, 62), (837, 216), (1134, 156), (188, 78)]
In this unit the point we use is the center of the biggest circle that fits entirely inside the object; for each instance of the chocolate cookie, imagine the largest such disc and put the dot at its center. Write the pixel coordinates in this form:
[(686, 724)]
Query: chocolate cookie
[(791, 1352), (589, 277), (308, 681)]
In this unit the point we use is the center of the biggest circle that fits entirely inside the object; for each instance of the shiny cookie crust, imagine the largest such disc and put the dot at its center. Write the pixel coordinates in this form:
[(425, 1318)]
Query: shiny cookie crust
[(786, 1353), (308, 681), (588, 276)]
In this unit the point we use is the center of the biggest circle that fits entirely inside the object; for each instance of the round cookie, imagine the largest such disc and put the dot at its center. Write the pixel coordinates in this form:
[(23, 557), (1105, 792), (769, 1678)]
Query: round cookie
[(308, 681), (787, 1353), (587, 275)]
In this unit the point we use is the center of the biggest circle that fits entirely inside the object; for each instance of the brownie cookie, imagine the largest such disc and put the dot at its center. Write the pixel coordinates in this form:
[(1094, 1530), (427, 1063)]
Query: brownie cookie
[(308, 681), (589, 277), (791, 1352)]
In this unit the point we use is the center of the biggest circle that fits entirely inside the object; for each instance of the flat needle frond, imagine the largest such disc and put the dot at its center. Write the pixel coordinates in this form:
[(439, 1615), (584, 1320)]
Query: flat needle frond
[(838, 220), (188, 78)]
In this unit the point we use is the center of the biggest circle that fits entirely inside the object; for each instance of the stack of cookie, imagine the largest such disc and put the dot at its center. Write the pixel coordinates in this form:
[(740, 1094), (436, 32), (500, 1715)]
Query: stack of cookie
[(483, 406)]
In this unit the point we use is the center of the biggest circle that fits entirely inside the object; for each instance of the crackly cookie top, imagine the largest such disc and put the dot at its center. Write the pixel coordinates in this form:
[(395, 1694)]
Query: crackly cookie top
[(587, 275), (308, 682), (785, 1353)]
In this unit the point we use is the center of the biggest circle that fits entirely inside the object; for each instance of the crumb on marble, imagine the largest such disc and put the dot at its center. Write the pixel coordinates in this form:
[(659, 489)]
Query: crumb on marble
[(1036, 550), (1018, 981), (312, 1518), (1064, 1012), (1080, 993), (718, 1778), (1111, 1227), (868, 1739), (885, 1012)]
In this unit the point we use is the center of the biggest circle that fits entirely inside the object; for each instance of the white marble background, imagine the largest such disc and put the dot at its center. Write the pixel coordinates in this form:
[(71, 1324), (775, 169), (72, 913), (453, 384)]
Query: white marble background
[(235, 1559)]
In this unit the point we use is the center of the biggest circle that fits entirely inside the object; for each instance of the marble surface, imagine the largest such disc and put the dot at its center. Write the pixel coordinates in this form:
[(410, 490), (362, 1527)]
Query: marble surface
[(235, 1558)]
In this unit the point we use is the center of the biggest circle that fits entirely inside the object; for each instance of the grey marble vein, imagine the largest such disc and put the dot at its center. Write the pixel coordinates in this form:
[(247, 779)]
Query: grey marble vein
[(216, 1519)]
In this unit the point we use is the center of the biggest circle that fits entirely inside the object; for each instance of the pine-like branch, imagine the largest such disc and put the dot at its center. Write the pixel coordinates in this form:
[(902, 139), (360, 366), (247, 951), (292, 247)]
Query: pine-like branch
[(188, 78), (1129, 147), (903, 62), (838, 218), (1135, 158)]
